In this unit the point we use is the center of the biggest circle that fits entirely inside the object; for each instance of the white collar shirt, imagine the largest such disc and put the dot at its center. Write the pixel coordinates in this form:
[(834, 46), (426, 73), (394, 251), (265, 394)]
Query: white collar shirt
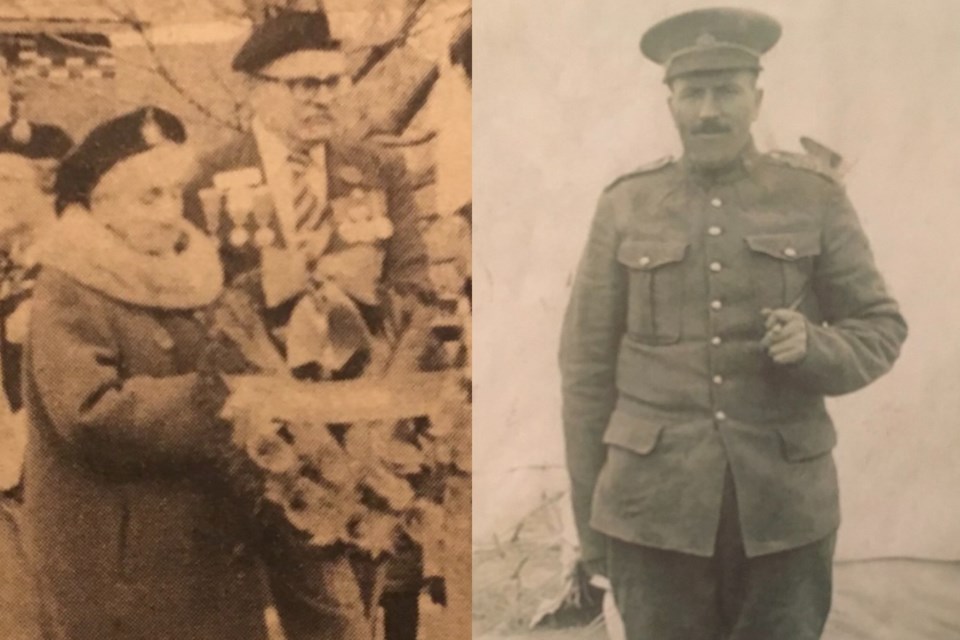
[(275, 158)]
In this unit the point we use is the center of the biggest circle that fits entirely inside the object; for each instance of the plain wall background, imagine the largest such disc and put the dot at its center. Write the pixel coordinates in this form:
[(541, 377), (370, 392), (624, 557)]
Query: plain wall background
[(564, 103)]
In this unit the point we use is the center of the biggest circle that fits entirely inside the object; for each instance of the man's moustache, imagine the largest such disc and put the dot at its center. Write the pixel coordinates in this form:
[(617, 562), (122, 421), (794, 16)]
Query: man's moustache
[(321, 112), (711, 127)]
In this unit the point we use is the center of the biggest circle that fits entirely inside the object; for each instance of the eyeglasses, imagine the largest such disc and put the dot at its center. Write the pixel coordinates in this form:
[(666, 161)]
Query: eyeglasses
[(308, 86)]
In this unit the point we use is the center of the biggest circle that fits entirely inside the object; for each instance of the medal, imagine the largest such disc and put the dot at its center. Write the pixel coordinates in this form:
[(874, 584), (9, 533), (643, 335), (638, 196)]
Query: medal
[(382, 228), (264, 237), (239, 237)]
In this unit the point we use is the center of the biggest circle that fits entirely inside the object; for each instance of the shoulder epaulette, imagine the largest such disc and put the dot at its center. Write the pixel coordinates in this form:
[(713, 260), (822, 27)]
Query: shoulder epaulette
[(650, 167), (818, 159)]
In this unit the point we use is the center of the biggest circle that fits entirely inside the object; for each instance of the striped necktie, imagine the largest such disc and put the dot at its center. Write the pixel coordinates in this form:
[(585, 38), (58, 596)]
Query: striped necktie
[(306, 205)]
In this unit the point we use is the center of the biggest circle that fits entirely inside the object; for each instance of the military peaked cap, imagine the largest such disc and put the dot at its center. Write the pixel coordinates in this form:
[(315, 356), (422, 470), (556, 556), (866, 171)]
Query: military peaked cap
[(710, 40)]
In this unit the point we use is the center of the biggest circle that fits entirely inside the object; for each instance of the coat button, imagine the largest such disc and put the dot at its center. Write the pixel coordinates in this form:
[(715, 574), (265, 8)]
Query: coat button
[(716, 305), (717, 202), (716, 341), (716, 267), (164, 340), (644, 261), (718, 379), (790, 252), (720, 416), (715, 231)]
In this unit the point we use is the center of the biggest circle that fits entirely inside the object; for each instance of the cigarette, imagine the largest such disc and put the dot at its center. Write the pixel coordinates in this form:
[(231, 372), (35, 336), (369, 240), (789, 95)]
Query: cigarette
[(800, 297)]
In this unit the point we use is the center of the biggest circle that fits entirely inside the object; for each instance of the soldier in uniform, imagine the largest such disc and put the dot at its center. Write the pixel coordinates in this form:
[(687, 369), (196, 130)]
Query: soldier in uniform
[(294, 205), (720, 298)]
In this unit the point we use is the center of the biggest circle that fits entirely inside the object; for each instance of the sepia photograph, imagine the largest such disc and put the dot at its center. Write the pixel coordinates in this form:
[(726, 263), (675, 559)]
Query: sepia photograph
[(235, 319), (716, 293)]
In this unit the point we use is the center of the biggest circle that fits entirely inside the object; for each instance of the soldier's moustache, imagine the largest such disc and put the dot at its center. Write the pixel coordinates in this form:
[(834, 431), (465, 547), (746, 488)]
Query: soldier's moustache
[(711, 126)]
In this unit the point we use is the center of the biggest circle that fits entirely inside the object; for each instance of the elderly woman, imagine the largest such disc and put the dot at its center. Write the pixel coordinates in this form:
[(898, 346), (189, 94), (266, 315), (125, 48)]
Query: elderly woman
[(126, 536)]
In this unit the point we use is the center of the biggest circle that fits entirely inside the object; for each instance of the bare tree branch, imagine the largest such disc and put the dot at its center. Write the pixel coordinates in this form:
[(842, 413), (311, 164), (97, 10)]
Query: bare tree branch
[(410, 29), (141, 28), (237, 100), (229, 11)]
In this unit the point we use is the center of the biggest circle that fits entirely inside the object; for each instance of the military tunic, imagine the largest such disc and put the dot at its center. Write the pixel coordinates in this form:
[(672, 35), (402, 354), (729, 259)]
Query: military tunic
[(665, 382)]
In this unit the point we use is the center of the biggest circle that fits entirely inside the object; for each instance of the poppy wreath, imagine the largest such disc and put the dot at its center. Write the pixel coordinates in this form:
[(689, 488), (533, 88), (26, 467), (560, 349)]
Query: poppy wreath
[(359, 465)]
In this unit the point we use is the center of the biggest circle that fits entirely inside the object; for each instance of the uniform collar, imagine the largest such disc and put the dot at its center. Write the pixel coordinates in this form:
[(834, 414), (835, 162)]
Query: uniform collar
[(739, 169)]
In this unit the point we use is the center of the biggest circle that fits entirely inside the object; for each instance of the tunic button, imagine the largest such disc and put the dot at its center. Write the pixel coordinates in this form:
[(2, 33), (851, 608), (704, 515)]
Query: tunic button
[(716, 305), (790, 252), (714, 231), (718, 379), (720, 415), (717, 202), (716, 341), (716, 267), (644, 261)]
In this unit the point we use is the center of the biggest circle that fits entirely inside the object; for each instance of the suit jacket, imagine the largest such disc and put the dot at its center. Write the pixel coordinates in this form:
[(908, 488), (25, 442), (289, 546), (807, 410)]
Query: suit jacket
[(665, 383), (406, 260), (126, 534)]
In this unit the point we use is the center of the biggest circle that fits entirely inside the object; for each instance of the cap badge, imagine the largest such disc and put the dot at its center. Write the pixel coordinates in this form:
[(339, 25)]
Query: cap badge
[(152, 135), (21, 131), (706, 40)]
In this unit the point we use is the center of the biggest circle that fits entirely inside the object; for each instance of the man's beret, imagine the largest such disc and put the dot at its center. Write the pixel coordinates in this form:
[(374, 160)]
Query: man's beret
[(34, 141), (109, 144), (710, 40), (283, 34)]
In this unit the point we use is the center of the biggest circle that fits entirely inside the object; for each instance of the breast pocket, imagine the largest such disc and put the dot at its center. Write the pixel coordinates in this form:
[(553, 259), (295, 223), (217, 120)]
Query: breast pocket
[(656, 288), (782, 266)]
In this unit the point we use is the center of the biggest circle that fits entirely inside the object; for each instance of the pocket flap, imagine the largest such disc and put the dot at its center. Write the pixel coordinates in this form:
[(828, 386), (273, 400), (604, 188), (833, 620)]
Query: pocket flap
[(804, 440), (650, 254), (786, 246), (635, 433)]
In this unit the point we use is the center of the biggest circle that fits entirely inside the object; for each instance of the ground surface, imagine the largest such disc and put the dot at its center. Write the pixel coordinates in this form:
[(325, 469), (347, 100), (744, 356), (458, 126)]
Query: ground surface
[(873, 600)]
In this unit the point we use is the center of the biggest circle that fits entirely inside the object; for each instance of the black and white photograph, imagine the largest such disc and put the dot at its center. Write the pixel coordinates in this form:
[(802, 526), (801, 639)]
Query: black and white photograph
[(716, 297), (235, 319)]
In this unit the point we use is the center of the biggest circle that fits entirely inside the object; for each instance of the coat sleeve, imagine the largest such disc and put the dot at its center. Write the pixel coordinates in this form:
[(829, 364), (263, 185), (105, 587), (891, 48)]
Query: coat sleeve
[(406, 264), (592, 329), (863, 330), (110, 419)]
